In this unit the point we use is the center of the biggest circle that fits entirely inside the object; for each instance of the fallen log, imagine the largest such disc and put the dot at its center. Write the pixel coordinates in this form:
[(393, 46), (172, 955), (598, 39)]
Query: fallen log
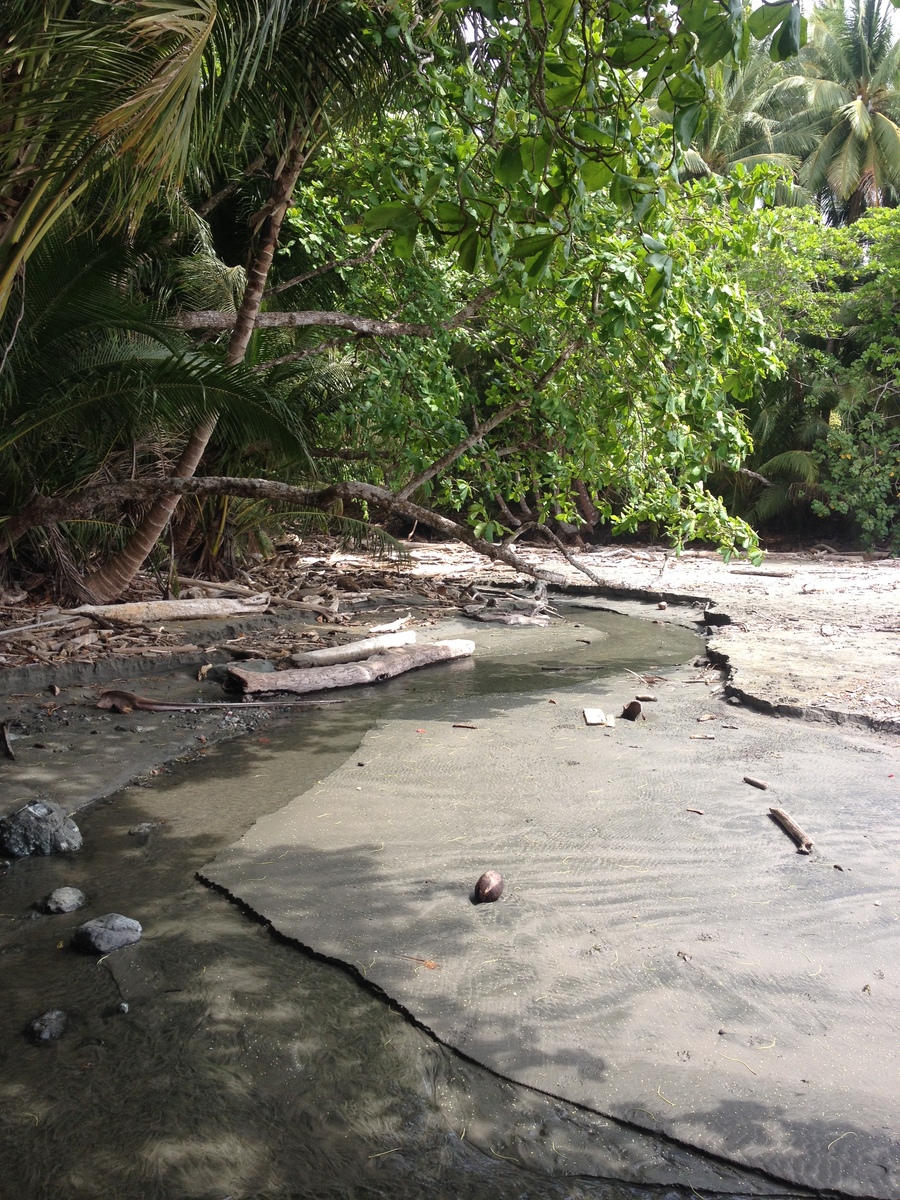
[(374, 670), (790, 826), (330, 656), (150, 611)]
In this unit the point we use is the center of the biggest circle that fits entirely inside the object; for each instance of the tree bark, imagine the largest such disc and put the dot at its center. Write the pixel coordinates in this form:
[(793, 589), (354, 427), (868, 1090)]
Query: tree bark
[(110, 580), (374, 670)]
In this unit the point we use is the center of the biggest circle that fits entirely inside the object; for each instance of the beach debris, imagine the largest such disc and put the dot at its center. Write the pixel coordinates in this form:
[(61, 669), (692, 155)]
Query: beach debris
[(703, 737), (463, 725), (126, 702), (392, 626), (7, 745), (650, 680), (633, 710), (757, 783), (647, 699), (489, 887), (596, 716), (507, 618), (662, 606), (790, 826), (379, 667), (426, 962), (698, 811), (353, 651), (142, 612), (707, 717)]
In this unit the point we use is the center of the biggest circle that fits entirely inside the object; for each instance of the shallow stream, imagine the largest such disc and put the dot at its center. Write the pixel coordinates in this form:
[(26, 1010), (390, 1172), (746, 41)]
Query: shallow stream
[(244, 1066)]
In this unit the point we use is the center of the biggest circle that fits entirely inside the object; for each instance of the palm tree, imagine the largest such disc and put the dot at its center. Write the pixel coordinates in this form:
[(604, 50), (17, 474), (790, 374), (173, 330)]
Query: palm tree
[(744, 117), (96, 384), (115, 100), (850, 119)]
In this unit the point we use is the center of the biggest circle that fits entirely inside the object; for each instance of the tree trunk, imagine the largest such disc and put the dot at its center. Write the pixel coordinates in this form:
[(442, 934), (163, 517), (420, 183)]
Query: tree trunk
[(109, 581)]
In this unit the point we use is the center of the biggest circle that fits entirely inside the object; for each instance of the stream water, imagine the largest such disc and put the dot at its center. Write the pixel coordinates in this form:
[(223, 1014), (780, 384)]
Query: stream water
[(214, 1060)]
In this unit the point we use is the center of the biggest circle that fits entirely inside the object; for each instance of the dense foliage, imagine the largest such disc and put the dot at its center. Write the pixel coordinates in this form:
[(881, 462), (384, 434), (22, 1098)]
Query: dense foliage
[(451, 250)]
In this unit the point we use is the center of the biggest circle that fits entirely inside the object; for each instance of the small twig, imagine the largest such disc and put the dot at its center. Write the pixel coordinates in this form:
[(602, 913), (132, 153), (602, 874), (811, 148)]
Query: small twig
[(738, 1060), (7, 748), (757, 783)]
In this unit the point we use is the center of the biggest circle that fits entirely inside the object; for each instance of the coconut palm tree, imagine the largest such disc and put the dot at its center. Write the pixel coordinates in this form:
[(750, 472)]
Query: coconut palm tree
[(850, 118), (114, 101), (744, 118)]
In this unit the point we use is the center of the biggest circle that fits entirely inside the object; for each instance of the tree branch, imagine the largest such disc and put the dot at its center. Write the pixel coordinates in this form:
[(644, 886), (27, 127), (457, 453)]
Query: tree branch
[(329, 266), (491, 423), (368, 326), (45, 510)]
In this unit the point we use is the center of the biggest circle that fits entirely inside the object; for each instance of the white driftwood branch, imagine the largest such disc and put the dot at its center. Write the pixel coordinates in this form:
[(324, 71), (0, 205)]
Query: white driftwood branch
[(144, 612), (374, 670), (330, 656)]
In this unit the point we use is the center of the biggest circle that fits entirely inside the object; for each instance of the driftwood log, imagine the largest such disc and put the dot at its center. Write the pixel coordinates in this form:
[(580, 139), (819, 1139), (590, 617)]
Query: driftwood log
[(374, 670), (330, 656), (790, 826), (143, 612)]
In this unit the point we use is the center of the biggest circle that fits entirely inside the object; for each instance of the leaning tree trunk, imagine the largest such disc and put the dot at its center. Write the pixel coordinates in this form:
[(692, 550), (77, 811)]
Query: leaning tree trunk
[(109, 581)]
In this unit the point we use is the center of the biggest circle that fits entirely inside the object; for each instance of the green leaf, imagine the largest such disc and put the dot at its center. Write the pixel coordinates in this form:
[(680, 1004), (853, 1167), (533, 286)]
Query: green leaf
[(764, 20), (535, 154), (509, 166), (595, 175), (786, 42), (397, 216), (452, 215), (525, 247), (653, 244), (469, 251), (636, 49), (686, 121)]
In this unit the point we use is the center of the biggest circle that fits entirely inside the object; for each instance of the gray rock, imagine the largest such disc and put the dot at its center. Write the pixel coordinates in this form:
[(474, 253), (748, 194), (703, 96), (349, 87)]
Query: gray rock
[(47, 1027), (41, 827), (107, 933), (63, 900)]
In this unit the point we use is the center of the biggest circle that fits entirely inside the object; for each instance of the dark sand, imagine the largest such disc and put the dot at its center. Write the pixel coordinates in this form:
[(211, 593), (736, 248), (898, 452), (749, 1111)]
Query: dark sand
[(689, 974)]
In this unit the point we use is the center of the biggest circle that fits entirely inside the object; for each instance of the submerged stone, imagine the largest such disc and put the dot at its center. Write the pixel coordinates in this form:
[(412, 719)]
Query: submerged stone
[(63, 900), (48, 1027), (105, 934)]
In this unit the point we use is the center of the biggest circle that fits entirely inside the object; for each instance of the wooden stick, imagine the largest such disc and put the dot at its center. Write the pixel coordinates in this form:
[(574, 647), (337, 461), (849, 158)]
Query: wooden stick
[(7, 747), (757, 783), (790, 826)]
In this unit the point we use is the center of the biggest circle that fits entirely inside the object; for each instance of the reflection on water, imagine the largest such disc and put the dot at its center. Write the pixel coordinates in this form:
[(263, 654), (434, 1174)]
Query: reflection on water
[(243, 1066)]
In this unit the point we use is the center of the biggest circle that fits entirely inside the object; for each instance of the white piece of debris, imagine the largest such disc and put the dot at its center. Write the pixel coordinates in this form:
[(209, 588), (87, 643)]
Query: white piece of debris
[(392, 627), (596, 716)]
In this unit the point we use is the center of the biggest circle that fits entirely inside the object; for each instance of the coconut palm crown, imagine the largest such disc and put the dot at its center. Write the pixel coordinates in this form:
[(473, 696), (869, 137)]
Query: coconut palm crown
[(852, 75)]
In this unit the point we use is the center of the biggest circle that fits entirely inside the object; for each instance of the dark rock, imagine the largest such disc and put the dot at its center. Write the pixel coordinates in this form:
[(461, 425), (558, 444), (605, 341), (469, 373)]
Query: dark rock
[(47, 1027), (63, 900), (41, 827), (489, 887), (105, 934)]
